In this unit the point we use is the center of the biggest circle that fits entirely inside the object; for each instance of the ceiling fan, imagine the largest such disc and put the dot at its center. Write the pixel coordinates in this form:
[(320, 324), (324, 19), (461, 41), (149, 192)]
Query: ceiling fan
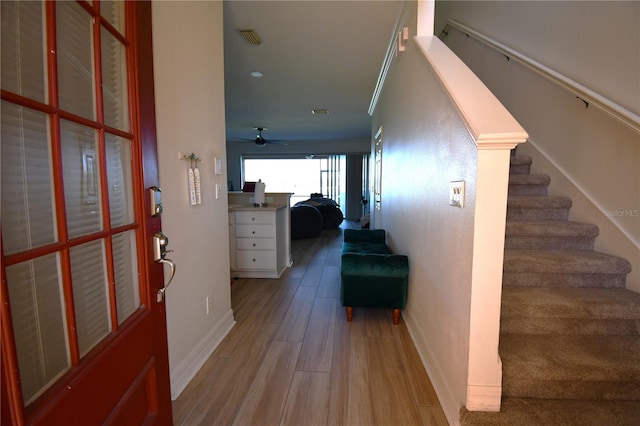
[(259, 140)]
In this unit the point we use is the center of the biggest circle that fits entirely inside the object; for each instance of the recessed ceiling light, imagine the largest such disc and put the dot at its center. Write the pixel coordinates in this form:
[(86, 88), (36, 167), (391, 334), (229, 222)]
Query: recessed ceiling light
[(319, 111), (256, 74)]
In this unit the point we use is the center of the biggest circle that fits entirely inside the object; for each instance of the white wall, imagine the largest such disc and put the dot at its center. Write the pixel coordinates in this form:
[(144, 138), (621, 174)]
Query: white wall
[(441, 124), (590, 157), (189, 84), (596, 43), (420, 158), (425, 146)]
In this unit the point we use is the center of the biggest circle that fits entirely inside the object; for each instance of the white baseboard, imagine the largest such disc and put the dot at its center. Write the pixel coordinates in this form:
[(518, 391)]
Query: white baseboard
[(450, 405), (182, 374)]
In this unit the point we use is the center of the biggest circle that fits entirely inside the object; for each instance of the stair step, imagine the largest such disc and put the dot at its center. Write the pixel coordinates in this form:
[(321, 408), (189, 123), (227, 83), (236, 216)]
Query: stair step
[(586, 311), (538, 412), (535, 185), (557, 268), (532, 208), (549, 235), (520, 164), (568, 366)]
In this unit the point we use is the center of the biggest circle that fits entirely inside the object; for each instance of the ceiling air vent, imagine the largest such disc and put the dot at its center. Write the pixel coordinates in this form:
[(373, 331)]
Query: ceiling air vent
[(320, 111), (251, 36)]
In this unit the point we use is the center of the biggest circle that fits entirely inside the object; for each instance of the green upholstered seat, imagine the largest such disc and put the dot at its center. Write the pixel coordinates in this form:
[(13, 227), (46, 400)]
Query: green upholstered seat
[(370, 274)]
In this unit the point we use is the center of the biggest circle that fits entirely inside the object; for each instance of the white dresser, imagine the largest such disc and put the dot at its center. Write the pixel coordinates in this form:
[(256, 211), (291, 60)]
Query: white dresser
[(259, 240)]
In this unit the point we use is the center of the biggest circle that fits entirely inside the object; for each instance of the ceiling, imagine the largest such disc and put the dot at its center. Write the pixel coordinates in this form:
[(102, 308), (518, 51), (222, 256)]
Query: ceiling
[(314, 55)]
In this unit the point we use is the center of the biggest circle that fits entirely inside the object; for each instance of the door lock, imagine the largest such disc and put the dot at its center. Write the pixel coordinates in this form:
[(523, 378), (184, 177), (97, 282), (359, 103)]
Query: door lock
[(160, 243)]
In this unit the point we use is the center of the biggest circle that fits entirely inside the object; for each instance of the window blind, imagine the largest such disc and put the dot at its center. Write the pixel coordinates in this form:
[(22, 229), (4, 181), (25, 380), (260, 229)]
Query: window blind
[(114, 85), (90, 294), (23, 58), (81, 173), (27, 200), (35, 294), (76, 80)]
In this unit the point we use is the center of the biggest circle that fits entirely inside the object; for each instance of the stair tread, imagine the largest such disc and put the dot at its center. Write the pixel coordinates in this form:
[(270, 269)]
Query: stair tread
[(534, 411), (539, 201), (575, 303), (570, 357), (530, 179), (565, 262), (555, 228)]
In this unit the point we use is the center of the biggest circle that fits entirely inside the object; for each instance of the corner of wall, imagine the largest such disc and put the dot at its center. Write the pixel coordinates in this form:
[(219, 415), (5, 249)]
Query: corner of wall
[(189, 366)]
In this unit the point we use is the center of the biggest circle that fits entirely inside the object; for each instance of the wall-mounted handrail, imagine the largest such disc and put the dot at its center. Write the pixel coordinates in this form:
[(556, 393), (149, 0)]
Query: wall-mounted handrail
[(389, 55), (588, 96)]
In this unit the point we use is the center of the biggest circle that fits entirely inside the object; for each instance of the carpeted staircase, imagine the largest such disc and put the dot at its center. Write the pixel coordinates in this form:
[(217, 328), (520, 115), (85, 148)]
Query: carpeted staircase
[(570, 331)]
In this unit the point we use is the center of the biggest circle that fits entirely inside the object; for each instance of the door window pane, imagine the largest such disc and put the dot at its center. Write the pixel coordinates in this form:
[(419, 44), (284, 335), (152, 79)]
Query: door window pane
[(90, 294), (27, 199), (113, 11), (119, 180), (39, 324), (81, 171), (126, 274), (23, 57), (75, 59), (114, 82)]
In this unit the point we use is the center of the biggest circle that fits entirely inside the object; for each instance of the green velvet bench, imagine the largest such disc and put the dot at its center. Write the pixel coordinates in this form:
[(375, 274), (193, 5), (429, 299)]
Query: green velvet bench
[(370, 274)]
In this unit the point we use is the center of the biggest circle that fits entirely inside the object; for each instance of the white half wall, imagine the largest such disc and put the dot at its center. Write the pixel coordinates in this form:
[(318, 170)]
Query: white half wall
[(440, 124), (189, 84)]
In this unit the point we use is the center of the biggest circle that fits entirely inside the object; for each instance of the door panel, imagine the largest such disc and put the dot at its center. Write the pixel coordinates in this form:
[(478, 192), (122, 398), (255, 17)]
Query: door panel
[(83, 335)]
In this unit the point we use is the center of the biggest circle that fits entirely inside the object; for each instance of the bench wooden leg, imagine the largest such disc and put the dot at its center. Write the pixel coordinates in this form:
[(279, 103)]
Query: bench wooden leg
[(349, 313), (396, 316)]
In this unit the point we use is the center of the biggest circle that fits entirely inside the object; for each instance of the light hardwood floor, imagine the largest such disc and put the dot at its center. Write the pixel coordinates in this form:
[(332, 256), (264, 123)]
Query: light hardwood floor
[(293, 359)]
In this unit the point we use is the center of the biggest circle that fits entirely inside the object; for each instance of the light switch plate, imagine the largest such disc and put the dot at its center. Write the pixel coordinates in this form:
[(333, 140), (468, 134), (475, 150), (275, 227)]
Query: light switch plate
[(218, 166), (456, 193)]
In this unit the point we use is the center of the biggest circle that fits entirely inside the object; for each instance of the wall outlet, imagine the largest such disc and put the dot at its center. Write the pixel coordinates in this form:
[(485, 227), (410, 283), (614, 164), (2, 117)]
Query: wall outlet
[(209, 304), (456, 193)]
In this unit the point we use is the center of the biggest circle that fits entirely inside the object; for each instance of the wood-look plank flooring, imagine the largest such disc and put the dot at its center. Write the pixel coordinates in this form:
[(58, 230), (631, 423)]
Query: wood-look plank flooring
[(293, 359)]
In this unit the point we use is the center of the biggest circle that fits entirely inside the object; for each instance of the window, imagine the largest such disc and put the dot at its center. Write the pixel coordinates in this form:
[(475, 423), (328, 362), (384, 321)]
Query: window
[(300, 175)]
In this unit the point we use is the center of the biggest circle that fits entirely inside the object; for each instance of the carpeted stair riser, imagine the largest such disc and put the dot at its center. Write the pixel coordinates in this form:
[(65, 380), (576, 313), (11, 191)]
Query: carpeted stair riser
[(528, 185), (520, 165), (525, 279), (540, 310), (599, 327), (627, 390), (556, 268), (550, 235), (532, 208), (558, 261), (541, 412), (570, 366)]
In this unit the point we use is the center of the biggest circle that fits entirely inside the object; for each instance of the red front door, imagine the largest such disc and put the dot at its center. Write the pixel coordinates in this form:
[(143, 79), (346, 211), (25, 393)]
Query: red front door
[(83, 334)]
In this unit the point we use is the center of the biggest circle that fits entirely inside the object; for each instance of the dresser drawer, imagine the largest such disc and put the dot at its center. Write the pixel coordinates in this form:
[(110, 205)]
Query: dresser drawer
[(255, 217), (255, 243), (255, 259), (255, 231)]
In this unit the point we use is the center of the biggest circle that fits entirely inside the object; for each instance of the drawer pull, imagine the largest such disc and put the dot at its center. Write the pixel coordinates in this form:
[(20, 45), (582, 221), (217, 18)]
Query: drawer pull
[(253, 218), (254, 260), (253, 232), (254, 244)]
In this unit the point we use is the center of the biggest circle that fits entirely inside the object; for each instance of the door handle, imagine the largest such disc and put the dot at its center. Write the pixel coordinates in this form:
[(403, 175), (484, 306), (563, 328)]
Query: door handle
[(160, 243)]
